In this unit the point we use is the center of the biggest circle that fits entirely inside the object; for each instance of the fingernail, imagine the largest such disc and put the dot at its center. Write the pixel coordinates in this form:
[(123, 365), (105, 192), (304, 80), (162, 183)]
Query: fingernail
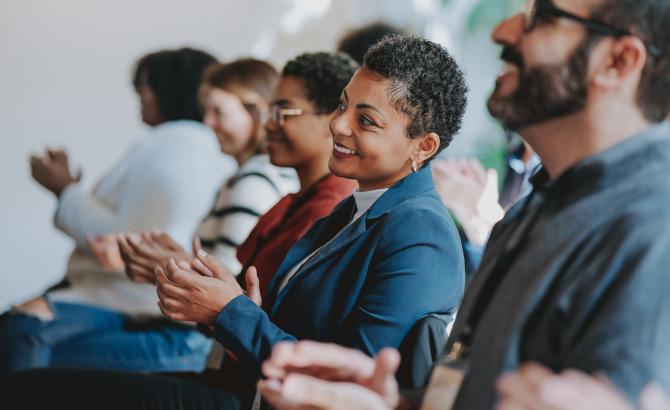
[(202, 253)]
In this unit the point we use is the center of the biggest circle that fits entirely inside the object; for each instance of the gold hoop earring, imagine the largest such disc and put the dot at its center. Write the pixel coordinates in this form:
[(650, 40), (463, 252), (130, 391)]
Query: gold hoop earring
[(415, 167)]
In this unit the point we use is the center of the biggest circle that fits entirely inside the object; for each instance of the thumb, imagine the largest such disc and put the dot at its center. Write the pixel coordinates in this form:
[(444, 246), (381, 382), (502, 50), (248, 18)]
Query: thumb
[(492, 178), (383, 376), (253, 285), (196, 245)]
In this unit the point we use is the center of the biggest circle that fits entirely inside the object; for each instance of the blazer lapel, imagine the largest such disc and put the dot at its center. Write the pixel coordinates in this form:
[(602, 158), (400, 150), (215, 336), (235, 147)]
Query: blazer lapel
[(321, 232), (343, 239)]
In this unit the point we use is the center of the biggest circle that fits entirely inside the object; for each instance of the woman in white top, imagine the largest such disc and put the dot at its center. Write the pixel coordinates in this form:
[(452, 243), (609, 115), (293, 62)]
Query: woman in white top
[(85, 322)]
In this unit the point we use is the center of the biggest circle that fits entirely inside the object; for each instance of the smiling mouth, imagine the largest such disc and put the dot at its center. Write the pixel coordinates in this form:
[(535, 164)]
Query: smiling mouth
[(343, 150), (274, 138)]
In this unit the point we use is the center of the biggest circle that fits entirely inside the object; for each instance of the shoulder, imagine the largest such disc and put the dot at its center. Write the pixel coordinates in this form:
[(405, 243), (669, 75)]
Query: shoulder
[(259, 173), (186, 138), (319, 206), (423, 208), (420, 218)]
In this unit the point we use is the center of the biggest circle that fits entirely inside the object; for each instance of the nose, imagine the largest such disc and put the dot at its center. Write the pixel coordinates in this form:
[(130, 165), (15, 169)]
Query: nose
[(339, 124), (509, 31), (270, 124), (209, 120)]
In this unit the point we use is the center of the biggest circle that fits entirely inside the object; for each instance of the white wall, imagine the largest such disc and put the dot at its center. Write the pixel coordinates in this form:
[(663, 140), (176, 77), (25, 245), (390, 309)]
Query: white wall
[(65, 81)]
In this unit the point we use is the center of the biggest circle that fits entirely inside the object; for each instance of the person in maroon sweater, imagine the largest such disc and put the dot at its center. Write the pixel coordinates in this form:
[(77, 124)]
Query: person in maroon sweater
[(286, 222)]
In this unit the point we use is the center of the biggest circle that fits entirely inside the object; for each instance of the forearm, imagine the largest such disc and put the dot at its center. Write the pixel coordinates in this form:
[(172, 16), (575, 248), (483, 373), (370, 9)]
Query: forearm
[(79, 213), (246, 330)]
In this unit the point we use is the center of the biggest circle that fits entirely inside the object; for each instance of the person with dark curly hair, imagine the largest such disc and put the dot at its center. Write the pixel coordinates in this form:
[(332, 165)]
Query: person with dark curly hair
[(386, 257), (85, 321)]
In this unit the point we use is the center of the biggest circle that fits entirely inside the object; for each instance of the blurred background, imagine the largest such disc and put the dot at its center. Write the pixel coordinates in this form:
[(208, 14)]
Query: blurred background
[(65, 70)]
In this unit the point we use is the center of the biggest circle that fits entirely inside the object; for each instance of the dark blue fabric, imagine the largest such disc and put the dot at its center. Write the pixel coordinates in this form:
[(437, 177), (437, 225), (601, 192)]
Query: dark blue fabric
[(398, 262)]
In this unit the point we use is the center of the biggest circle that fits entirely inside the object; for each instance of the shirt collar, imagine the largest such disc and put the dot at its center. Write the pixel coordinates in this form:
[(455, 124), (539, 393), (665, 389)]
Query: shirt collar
[(600, 168), (365, 199)]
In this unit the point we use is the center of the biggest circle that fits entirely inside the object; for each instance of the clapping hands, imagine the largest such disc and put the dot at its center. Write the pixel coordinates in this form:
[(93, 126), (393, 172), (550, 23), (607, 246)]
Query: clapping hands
[(471, 193), (142, 252), (199, 291), (51, 169)]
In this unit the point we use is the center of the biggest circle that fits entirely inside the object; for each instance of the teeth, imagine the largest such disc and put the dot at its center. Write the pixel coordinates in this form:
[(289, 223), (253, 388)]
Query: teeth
[(510, 68), (344, 150)]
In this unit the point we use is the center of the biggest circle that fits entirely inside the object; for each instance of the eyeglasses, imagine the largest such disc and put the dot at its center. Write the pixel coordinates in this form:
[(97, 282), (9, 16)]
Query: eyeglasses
[(279, 114), (542, 10)]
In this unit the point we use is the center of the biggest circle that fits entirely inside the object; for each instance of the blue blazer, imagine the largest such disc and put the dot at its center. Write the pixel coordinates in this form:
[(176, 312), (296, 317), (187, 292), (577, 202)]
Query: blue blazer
[(398, 262)]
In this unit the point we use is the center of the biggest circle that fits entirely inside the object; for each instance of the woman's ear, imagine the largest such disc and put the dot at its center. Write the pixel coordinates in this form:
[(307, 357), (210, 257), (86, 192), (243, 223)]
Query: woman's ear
[(427, 147)]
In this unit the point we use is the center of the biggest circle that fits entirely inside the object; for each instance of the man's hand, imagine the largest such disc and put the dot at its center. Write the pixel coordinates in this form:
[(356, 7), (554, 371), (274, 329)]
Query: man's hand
[(301, 392), (142, 252), (471, 193), (311, 374), (52, 170), (533, 387), (186, 295), (105, 249)]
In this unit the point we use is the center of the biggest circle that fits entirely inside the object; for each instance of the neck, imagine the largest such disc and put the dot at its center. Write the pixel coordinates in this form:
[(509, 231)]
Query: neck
[(527, 153), (311, 172), (243, 157), (561, 143)]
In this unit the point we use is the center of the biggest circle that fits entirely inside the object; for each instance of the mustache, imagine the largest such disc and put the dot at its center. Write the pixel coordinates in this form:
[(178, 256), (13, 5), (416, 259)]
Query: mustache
[(512, 56)]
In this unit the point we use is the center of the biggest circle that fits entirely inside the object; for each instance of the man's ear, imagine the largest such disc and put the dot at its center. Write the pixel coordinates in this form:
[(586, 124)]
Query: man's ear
[(625, 60)]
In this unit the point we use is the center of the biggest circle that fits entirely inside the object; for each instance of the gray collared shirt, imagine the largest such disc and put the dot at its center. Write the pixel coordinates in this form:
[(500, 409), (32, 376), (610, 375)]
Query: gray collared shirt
[(584, 275)]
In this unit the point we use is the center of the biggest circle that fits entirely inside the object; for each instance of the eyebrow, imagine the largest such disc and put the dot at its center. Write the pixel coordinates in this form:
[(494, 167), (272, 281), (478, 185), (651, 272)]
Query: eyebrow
[(364, 106), (283, 102)]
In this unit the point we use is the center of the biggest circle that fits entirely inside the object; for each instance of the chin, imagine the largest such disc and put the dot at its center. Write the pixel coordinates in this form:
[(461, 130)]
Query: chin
[(279, 162), (339, 171)]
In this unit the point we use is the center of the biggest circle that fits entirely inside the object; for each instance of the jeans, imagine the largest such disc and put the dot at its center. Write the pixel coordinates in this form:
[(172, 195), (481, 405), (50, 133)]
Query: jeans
[(89, 337)]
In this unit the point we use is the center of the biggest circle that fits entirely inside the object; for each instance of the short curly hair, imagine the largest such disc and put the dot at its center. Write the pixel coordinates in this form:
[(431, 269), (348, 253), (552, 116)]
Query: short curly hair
[(426, 84), (325, 76), (174, 76)]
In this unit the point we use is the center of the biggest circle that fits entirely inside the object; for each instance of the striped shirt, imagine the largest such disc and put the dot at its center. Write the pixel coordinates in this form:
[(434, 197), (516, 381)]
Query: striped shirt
[(251, 192)]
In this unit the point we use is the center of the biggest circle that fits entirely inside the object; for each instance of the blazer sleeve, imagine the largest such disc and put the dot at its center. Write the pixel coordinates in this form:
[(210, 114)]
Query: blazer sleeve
[(411, 275), (429, 264), (253, 342)]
